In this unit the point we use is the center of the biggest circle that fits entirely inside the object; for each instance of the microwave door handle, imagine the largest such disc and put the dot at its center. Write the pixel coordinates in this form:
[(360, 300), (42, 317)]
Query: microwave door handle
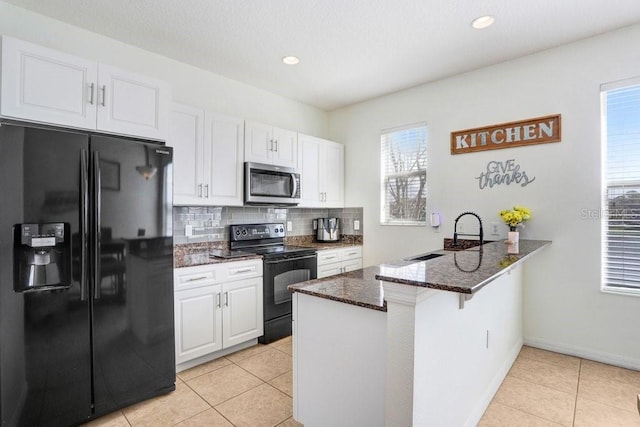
[(294, 187)]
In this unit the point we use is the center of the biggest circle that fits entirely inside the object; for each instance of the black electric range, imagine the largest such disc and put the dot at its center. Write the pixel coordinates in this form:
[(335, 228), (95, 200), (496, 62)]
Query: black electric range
[(283, 265)]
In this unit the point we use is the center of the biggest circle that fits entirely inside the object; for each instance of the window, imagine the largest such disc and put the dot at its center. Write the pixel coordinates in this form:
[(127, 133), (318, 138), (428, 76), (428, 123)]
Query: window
[(403, 197), (621, 187)]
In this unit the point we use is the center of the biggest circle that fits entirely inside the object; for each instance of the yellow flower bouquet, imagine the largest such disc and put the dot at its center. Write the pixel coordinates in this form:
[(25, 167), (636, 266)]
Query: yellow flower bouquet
[(515, 217)]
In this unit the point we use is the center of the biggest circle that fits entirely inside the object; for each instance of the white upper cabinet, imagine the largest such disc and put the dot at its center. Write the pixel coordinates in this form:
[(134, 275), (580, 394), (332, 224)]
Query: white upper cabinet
[(131, 104), (207, 157), (186, 136), (270, 145), (45, 85), (321, 163), (224, 142), (332, 166)]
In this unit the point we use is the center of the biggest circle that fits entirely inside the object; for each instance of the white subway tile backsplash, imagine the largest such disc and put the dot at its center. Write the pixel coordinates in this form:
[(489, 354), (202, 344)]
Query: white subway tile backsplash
[(211, 223)]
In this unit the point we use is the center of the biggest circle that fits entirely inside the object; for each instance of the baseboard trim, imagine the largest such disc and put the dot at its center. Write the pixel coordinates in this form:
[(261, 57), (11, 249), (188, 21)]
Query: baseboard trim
[(585, 353)]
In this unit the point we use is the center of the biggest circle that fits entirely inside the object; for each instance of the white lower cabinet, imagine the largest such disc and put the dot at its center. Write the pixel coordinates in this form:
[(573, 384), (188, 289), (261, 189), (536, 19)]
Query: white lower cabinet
[(339, 260), (217, 306)]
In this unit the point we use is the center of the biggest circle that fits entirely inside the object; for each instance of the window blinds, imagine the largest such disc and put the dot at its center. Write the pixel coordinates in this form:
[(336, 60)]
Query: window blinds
[(621, 201), (404, 175)]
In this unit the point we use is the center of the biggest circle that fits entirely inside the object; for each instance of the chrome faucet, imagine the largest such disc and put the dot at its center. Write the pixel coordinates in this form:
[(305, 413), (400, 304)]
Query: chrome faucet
[(455, 229)]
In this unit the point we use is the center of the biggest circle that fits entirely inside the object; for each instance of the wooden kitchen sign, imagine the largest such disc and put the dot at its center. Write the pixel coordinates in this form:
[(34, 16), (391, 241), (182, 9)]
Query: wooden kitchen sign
[(540, 130)]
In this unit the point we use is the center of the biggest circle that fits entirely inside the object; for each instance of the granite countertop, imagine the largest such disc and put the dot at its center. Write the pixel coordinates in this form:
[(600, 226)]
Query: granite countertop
[(464, 271), (191, 254), (359, 287)]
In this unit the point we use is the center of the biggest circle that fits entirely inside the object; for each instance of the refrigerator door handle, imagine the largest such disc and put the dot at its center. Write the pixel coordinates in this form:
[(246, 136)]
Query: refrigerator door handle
[(96, 221), (84, 222)]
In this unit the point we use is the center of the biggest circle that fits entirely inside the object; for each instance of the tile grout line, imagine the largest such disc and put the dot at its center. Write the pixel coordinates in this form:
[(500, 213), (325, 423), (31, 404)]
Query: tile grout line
[(575, 402)]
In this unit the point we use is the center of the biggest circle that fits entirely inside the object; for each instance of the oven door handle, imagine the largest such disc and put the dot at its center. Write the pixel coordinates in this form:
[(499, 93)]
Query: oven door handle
[(279, 261)]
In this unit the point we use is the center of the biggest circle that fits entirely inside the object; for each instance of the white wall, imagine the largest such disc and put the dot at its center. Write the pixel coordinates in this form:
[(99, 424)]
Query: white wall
[(190, 85), (564, 308)]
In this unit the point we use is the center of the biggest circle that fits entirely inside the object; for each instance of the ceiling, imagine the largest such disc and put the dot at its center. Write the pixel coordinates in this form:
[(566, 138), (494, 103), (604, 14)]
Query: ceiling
[(350, 50)]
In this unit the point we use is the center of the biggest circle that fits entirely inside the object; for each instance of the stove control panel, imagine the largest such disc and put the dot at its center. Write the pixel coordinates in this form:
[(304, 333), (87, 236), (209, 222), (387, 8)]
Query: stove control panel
[(256, 231)]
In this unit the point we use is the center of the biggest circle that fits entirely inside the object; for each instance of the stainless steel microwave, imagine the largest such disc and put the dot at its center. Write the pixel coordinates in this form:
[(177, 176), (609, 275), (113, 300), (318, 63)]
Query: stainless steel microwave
[(270, 185)]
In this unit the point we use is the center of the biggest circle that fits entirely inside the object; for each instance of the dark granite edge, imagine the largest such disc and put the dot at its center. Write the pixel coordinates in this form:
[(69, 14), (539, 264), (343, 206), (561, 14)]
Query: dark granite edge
[(349, 301), (506, 269)]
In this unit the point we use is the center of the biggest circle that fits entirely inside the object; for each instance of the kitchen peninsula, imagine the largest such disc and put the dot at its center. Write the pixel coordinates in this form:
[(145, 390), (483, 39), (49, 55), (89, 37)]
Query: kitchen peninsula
[(411, 342)]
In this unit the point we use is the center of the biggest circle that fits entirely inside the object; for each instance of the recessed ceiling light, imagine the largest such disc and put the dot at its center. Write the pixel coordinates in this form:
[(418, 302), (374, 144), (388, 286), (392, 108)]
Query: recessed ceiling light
[(290, 60), (482, 22)]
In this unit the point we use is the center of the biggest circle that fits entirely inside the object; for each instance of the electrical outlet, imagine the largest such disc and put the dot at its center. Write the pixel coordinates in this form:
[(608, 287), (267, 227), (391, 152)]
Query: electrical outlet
[(356, 224), (494, 228), (289, 226), (461, 227), (188, 230)]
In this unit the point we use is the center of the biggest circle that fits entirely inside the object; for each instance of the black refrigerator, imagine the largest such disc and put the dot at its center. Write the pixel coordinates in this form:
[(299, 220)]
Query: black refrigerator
[(86, 279)]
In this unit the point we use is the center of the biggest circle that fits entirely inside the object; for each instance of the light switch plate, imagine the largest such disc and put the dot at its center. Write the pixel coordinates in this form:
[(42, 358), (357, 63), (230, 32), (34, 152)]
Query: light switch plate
[(289, 226), (188, 230), (494, 228), (356, 224)]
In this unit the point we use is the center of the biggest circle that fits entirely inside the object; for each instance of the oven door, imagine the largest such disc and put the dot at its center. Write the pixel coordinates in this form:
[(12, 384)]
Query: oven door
[(278, 275)]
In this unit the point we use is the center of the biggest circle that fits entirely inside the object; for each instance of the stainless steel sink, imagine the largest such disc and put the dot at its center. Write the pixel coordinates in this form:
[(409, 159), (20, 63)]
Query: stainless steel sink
[(423, 257)]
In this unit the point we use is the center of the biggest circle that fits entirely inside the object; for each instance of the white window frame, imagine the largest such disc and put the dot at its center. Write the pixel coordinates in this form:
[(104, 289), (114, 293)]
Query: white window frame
[(606, 213), (384, 134)]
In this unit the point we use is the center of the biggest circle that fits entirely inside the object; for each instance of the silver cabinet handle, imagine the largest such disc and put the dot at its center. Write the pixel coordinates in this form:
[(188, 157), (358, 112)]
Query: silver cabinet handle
[(330, 257), (193, 279), (199, 190), (206, 187), (91, 88), (276, 141), (218, 299), (104, 94), (271, 145), (226, 299), (244, 270)]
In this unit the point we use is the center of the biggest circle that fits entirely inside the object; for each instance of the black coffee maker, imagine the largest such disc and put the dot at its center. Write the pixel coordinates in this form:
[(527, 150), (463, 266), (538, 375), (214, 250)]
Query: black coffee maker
[(41, 256)]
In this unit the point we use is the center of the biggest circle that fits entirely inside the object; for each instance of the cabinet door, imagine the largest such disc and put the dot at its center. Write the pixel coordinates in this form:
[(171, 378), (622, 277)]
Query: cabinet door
[(285, 149), (242, 311), (132, 104), (329, 269), (352, 265), (45, 85), (224, 142), (198, 320), (186, 136), (332, 169), (309, 149), (258, 142)]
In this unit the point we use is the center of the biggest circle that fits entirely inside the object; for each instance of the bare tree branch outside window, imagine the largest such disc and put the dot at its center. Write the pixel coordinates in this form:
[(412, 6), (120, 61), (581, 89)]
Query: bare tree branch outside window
[(404, 175)]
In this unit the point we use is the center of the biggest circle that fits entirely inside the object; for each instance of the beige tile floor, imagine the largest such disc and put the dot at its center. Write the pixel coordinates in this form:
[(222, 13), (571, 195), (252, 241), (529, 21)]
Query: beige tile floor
[(253, 387), (550, 389)]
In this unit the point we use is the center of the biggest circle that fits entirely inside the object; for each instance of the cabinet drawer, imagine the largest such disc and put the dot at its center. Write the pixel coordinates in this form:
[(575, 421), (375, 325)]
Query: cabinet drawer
[(242, 270), (194, 277), (351, 253), (328, 256), (203, 275)]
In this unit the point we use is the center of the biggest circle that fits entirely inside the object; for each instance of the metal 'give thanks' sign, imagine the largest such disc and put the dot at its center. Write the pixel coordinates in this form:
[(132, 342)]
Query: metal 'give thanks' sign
[(540, 130)]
